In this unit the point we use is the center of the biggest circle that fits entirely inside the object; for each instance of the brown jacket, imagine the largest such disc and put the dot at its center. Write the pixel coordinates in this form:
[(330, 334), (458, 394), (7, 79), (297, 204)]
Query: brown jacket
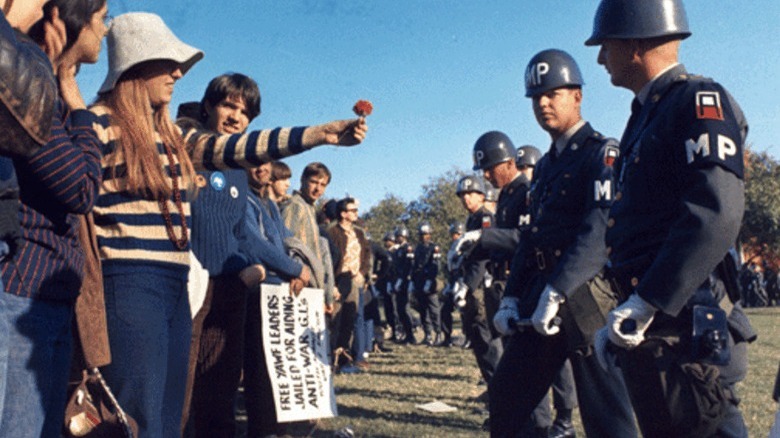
[(339, 238), (91, 331)]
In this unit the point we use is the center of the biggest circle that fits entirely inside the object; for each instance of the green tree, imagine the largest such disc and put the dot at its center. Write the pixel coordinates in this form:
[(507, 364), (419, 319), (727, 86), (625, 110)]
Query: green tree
[(438, 205), (384, 216), (761, 224)]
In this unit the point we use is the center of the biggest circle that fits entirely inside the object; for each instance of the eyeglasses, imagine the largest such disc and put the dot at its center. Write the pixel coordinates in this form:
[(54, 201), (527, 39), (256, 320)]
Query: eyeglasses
[(352, 210)]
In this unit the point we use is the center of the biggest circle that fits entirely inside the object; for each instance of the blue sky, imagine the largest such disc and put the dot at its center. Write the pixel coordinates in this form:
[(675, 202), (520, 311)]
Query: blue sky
[(440, 73)]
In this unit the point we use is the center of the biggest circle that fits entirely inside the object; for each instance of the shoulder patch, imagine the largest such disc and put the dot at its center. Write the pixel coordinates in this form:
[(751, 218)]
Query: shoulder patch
[(708, 105), (487, 221), (611, 154)]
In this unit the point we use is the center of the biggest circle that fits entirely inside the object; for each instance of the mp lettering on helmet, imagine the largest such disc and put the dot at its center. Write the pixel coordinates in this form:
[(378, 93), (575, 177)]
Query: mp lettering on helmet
[(533, 77), (479, 155), (700, 148), (602, 190)]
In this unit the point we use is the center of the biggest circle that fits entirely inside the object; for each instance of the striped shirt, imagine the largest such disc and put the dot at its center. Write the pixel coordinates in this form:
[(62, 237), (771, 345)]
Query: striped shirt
[(56, 184), (131, 230)]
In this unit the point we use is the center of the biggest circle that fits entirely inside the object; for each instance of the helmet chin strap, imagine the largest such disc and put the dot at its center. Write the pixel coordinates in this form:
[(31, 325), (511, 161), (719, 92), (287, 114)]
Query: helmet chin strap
[(7, 6)]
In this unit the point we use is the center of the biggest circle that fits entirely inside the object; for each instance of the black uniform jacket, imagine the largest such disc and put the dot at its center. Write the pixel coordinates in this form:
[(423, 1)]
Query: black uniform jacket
[(501, 240), (475, 267), (570, 199), (680, 195), (426, 265)]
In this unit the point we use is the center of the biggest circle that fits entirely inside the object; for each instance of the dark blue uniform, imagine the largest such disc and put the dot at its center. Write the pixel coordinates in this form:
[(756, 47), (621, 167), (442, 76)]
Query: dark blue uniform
[(485, 343), (383, 269), (678, 210), (424, 272), (403, 261), (570, 198), (511, 217)]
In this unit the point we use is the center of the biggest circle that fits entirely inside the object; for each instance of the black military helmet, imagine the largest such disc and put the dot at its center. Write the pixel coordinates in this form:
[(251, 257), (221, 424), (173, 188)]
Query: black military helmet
[(491, 193), (633, 19), (425, 228), (528, 156), (401, 232), (457, 228), (470, 183), (492, 148), (389, 236), (551, 69)]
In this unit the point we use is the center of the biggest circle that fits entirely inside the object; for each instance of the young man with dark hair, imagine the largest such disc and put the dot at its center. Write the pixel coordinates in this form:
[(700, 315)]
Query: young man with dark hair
[(227, 240), (351, 271)]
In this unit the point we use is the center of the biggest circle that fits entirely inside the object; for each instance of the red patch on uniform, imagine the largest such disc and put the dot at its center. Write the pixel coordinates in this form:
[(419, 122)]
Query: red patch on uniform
[(708, 105), (486, 222), (610, 155)]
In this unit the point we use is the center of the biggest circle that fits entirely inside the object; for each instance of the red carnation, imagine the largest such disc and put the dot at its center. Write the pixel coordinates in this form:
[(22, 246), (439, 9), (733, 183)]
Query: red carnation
[(363, 108)]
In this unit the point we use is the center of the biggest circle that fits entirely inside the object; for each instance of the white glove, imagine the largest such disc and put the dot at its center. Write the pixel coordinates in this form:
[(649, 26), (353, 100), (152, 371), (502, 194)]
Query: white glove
[(468, 241), (507, 315), (459, 294), (487, 280), (398, 284), (546, 309), (453, 259), (427, 286), (605, 358), (634, 311), (410, 287)]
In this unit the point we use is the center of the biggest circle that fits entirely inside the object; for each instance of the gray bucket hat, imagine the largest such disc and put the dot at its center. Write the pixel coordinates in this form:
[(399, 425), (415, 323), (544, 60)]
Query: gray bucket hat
[(138, 37)]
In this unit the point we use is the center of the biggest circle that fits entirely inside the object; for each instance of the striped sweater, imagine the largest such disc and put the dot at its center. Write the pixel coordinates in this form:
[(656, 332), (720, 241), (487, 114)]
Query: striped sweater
[(131, 231), (56, 184)]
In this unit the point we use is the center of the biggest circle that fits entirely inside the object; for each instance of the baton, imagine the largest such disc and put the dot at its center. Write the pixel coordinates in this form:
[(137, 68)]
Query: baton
[(522, 324)]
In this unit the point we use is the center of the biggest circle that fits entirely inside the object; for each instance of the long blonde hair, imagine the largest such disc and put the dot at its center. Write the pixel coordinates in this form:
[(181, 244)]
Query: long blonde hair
[(136, 145)]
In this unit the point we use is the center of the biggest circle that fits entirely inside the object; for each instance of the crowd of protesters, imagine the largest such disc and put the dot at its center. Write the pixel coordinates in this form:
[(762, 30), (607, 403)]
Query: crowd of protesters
[(117, 201)]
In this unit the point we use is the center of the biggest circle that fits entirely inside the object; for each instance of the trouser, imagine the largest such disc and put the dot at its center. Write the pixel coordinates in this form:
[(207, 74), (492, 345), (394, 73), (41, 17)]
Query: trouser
[(647, 375), (362, 339), (528, 368), (493, 295), (487, 348), (388, 305), (149, 330), (218, 345), (402, 309), (447, 307), (258, 392), (372, 322), (346, 311), (35, 355), (430, 310), (563, 390)]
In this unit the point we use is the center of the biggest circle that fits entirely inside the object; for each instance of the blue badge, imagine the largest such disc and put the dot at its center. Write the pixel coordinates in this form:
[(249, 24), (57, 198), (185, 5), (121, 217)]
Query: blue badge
[(217, 181)]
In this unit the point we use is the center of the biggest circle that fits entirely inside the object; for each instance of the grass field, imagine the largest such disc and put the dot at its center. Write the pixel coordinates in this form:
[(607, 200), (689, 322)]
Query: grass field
[(382, 402)]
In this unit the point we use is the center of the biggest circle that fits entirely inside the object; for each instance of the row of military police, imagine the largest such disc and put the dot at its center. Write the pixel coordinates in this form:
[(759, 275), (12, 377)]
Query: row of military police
[(616, 256)]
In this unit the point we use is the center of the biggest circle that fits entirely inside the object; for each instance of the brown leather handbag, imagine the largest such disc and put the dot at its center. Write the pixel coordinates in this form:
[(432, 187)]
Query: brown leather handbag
[(94, 412)]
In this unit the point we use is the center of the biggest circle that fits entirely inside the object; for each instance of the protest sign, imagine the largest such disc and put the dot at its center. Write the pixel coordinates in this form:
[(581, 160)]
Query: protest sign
[(297, 353)]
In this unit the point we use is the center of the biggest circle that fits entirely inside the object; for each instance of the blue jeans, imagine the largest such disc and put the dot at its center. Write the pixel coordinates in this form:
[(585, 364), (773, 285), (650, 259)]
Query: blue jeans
[(149, 329), (35, 354), (361, 338)]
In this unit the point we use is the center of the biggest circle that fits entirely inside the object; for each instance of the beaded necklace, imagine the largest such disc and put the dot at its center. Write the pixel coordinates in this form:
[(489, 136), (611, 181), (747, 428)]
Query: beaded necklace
[(179, 242)]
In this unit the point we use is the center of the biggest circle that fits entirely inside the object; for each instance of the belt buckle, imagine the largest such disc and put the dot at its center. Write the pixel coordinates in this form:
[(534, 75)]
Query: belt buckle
[(540, 262)]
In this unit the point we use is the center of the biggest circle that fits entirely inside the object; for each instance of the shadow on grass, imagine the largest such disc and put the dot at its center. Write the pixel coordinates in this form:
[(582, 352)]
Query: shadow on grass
[(422, 419), (419, 375), (404, 397)]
